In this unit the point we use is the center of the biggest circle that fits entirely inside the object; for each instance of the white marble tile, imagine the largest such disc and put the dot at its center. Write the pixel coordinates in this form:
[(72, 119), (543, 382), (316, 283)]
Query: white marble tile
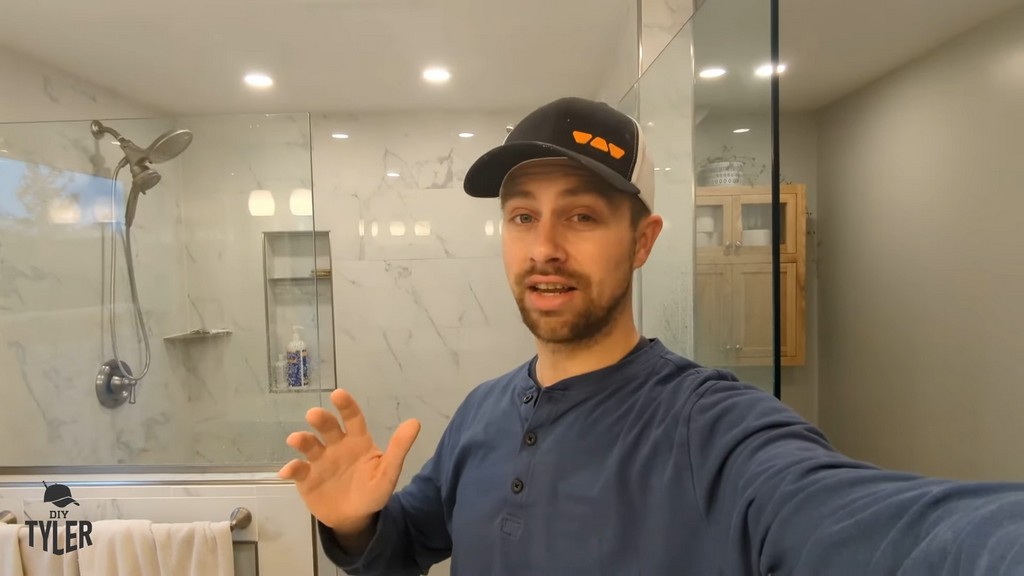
[(662, 21), (54, 327)]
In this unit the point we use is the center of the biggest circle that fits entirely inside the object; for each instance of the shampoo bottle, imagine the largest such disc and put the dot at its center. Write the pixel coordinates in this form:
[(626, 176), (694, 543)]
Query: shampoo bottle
[(298, 361)]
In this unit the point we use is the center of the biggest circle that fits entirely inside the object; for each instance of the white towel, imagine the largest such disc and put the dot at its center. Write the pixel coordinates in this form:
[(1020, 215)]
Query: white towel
[(195, 548), (120, 548), (10, 551), (37, 561)]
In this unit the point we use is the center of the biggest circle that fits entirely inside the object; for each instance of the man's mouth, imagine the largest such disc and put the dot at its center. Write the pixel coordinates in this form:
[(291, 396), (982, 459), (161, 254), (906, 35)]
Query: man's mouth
[(546, 288)]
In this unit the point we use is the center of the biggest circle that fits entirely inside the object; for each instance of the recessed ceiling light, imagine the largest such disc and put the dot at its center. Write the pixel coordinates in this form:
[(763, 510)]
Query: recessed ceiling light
[(339, 136), (766, 70), (257, 80), (741, 131), (436, 75), (392, 174), (465, 134), (712, 72)]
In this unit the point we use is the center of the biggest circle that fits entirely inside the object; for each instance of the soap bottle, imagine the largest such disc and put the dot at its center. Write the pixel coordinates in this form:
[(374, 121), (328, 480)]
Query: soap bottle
[(298, 361), (281, 372)]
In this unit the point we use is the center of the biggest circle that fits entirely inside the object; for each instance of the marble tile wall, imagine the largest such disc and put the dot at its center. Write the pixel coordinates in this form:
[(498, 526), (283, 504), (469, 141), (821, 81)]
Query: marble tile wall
[(422, 309), (54, 242), (662, 21), (227, 380)]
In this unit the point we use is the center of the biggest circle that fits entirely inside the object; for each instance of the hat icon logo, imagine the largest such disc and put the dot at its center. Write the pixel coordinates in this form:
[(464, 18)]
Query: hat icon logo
[(59, 495)]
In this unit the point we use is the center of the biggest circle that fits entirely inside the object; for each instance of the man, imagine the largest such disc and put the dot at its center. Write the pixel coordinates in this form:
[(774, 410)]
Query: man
[(607, 454)]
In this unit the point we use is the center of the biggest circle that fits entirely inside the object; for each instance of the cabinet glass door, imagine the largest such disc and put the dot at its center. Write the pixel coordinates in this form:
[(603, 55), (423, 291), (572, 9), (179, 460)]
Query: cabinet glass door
[(753, 224), (714, 234)]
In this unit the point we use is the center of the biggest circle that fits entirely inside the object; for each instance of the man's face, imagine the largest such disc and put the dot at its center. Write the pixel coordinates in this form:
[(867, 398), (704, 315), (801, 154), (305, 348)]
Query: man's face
[(569, 252)]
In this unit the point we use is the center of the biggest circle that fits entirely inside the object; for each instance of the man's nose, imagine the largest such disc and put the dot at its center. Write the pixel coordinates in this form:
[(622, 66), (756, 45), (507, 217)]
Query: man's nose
[(548, 241)]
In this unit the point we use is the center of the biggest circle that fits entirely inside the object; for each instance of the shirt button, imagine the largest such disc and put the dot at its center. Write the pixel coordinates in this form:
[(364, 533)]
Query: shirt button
[(530, 439), (517, 486), (528, 398)]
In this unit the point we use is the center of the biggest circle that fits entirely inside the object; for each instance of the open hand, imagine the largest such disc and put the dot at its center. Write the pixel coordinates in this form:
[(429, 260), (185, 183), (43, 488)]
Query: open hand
[(346, 479)]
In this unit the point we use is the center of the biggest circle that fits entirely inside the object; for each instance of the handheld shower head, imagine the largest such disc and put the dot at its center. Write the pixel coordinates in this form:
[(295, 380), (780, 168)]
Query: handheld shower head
[(143, 178)]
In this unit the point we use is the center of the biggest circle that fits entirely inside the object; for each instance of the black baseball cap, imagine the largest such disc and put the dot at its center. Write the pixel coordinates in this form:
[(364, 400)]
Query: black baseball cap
[(608, 142)]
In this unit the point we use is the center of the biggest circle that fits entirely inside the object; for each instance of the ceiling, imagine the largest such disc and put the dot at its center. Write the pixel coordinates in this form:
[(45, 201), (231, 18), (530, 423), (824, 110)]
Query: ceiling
[(830, 47), (189, 56)]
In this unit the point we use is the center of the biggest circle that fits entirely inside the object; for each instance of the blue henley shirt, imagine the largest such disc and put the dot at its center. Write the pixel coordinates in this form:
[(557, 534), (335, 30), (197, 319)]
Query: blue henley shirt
[(657, 466)]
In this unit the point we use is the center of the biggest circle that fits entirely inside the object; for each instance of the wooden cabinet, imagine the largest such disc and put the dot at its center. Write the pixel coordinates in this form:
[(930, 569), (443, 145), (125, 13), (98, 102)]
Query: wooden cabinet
[(733, 303)]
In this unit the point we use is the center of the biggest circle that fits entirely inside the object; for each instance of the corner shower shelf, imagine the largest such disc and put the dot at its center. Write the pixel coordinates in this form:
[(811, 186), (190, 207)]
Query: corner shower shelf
[(199, 333)]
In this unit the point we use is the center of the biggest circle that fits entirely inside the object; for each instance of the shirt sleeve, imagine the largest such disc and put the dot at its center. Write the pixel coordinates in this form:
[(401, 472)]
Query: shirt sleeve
[(778, 499), (412, 530)]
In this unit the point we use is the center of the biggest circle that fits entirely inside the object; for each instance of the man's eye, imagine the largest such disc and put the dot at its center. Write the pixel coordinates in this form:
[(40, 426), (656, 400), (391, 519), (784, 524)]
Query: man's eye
[(584, 218), (519, 218)]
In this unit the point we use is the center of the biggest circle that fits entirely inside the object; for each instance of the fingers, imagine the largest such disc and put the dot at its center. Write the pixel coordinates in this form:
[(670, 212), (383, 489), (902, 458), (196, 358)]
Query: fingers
[(326, 424), (296, 470), (398, 447), (306, 443), (351, 415)]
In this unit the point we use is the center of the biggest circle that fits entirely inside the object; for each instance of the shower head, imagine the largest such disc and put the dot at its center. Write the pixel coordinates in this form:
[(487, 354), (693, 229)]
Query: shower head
[(143, 178), (166, 147)]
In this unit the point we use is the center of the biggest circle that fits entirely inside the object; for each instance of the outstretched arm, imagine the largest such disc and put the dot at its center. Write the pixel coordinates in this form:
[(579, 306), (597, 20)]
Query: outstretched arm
[(780, 500)]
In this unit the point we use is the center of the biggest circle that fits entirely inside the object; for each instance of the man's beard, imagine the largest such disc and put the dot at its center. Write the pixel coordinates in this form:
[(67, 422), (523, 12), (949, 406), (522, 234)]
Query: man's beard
[(584, 325)]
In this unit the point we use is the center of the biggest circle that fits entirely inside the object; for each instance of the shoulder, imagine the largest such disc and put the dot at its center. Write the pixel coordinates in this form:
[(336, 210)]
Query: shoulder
[(701, 393), (687, 379)]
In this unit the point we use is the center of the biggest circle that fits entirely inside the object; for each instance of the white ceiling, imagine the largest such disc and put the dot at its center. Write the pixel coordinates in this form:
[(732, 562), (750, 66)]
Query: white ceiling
[(188, 56), (836, 46), (830, 47)]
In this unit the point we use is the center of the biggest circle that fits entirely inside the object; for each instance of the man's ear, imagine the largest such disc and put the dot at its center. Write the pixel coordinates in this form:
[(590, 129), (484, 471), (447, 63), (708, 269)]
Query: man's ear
[(647, 232)]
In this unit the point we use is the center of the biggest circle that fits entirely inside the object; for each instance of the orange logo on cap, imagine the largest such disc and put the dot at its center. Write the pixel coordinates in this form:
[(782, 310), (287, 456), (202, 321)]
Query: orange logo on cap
[(599, 143)]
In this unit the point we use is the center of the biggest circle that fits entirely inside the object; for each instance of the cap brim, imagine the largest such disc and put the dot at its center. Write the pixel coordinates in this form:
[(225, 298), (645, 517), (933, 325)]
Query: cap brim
[(62, 502), (485, 177)]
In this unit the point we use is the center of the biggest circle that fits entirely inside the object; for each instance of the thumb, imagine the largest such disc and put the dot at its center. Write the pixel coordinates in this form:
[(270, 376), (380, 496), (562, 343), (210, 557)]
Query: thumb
[(398, 448)]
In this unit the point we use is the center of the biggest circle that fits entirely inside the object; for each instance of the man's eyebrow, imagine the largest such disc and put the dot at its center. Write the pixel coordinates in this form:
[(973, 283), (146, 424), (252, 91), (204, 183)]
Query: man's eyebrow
[(521, 192)]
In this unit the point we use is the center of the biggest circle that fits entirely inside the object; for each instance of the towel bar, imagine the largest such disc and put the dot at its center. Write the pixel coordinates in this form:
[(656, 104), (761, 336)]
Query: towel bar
[(240, 518)]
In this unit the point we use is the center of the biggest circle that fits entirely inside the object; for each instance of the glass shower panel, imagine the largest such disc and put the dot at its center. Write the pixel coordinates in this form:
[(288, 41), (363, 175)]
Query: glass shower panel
[(209, 235), (662, 101), (732, 224)]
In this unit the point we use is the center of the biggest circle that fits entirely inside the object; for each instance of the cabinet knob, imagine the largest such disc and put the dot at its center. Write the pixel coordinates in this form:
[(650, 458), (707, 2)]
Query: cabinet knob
[(738, 244), (739, 347)]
